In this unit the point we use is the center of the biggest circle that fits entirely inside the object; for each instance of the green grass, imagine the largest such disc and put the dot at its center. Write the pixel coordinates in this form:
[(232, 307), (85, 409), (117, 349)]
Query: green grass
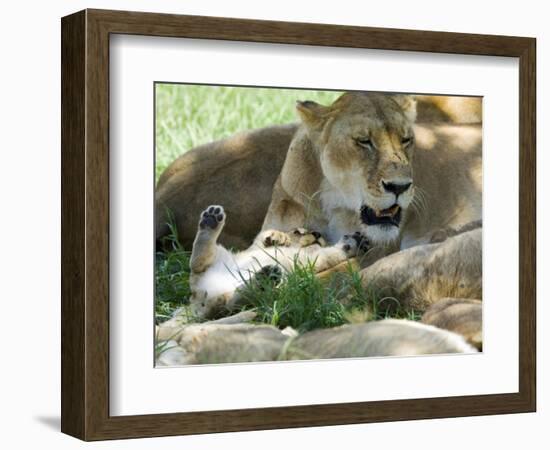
[(304, 302), (171, 276), (300, 300), (191, 115)]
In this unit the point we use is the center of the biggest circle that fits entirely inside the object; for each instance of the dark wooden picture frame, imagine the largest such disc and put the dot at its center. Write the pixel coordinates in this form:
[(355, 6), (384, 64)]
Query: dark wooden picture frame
[(85, 224)]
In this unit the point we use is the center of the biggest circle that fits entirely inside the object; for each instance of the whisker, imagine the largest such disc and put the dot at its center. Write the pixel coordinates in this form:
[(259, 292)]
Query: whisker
[(419, 201)]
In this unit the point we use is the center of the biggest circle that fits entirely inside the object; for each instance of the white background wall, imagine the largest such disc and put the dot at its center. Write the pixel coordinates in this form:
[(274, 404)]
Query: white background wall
[(30, 221)]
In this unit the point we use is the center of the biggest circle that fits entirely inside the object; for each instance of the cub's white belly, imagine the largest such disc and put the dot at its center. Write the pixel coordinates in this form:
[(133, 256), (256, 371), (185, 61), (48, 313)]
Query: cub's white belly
[(231, 271)]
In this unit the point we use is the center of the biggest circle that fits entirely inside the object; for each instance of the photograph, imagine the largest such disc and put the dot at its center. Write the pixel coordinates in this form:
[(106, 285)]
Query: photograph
[(309, 224)]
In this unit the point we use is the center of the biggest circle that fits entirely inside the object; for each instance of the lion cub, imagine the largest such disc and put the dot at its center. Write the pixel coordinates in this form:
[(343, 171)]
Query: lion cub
[(217, 274)]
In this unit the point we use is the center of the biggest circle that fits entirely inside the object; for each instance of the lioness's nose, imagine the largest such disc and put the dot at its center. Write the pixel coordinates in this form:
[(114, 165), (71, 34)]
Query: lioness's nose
[(395, 188)]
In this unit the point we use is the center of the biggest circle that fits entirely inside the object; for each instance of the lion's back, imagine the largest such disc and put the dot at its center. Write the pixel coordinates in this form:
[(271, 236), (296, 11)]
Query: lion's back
[(237, 172)]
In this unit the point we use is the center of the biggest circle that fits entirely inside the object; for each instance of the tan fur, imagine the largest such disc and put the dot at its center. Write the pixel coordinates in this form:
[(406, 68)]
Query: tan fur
[(389, 337), (237, 172), (215, 342), (451, 109), (240, 172), (460, 315), (420, 276)]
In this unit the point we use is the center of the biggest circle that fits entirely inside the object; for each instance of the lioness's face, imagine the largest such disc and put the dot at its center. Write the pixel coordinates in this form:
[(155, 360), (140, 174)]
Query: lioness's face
[(365, 144)]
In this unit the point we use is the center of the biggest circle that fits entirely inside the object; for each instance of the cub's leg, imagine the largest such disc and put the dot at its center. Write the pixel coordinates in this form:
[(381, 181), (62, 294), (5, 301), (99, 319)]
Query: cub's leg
[(204, 251), (273, 238), (348, 247)]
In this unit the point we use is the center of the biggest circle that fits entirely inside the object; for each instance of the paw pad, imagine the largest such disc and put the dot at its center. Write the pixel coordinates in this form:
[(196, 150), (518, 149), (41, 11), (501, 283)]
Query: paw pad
[(353, 243), (361, 241), (271, 273), (212, 217)]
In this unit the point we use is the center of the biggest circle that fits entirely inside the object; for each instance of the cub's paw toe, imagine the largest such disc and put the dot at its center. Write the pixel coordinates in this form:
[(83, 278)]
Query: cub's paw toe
[(212, 217), (276, 238)]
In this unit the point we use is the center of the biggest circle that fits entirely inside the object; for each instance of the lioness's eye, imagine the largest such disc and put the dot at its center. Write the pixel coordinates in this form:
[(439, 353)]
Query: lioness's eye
[(406, 141), (364, 142)]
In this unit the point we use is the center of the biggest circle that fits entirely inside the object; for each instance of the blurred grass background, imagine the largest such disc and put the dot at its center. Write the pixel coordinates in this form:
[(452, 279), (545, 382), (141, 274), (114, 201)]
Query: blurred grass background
[(191, 115)]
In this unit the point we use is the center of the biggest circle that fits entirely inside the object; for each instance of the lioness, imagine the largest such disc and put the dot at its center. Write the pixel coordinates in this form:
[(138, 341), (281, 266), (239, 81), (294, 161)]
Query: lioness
[(362, 164), (240, 171), (459, 315), (221, 342)]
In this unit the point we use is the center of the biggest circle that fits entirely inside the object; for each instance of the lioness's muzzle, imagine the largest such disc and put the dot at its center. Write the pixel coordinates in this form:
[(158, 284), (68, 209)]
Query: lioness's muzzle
[(388, 216)]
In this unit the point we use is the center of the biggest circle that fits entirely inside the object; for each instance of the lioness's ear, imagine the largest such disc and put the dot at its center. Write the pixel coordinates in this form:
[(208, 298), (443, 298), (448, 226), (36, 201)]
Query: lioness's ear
[(408, 105), (311, 113)]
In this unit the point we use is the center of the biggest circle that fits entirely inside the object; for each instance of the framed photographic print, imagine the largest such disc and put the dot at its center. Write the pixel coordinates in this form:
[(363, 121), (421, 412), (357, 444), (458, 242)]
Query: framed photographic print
[(276, 221)]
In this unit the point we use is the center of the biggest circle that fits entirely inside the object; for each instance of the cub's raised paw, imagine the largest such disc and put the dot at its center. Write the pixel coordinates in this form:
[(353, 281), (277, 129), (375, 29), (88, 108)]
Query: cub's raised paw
[(212, 217), (272, 238), (354, 243)]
